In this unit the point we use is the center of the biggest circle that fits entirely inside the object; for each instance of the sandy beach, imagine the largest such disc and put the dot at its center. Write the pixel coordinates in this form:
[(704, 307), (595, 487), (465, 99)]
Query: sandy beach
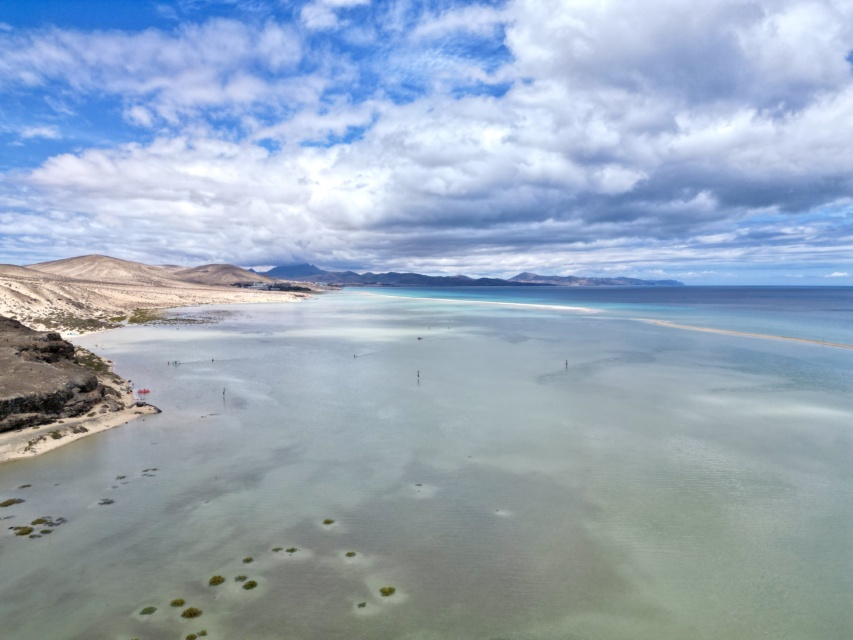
[(33, 441)]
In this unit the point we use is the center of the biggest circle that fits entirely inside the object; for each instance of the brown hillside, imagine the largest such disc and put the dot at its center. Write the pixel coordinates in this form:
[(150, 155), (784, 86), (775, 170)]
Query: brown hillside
[(219, 274), (104, 269)]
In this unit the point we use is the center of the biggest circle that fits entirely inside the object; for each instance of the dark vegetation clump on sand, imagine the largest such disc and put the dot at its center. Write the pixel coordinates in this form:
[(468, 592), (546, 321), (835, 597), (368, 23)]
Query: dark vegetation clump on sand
[(142, 316), (91, 361)]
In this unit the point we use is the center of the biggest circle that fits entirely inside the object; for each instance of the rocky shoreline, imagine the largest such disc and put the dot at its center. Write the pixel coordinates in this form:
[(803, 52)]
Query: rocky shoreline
[(52, 392)]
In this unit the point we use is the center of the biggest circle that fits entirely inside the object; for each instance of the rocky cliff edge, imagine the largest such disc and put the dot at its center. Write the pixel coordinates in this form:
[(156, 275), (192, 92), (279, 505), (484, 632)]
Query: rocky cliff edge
[(45, 379)]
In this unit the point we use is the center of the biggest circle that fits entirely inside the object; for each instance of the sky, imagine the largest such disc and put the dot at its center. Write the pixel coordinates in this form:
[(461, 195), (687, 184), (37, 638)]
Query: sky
[(707, 142)]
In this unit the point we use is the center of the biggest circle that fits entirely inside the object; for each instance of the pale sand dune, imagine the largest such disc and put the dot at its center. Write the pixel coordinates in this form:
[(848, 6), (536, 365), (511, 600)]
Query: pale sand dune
[(52, 294)]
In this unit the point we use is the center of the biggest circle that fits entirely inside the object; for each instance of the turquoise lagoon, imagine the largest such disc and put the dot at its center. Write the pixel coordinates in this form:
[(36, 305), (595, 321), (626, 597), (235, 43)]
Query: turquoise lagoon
[(524, 470)]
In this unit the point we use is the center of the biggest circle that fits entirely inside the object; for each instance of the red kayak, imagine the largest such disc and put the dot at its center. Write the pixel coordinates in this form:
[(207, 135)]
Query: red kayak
[(144, 391)]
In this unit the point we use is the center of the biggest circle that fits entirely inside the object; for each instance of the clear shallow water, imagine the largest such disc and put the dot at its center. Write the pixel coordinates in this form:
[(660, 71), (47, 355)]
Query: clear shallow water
[(663, 484)]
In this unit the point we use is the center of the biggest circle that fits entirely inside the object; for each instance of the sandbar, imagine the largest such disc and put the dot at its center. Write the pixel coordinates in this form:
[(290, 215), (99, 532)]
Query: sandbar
[(523, 305), (745, 334)]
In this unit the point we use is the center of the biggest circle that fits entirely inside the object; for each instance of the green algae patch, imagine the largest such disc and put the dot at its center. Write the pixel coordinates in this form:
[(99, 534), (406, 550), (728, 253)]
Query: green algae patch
[(192, 612), (292, 550), (241, 578), (350, 554), (248, 559), (387, 591), (277, 549), (10, 502), (215, 580), (178, 602), (143, 316), (328, 521), (23, 531), (147, 611), (251, 584)]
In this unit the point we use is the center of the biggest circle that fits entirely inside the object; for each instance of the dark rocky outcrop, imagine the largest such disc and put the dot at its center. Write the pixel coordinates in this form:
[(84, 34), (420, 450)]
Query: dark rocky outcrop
[(41, 380)]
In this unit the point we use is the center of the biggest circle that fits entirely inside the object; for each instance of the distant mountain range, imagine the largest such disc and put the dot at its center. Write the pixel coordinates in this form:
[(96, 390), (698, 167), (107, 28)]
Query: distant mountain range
[(310, 273), (578, 281), (292, 271)]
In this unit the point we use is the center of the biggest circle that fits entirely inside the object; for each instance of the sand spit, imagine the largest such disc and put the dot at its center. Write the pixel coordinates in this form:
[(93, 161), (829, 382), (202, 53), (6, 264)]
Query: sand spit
[(97, 292), (518, 305), (745, 334)]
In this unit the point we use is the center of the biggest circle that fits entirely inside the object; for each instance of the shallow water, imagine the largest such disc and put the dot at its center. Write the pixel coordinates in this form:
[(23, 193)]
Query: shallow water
[(519, 473)]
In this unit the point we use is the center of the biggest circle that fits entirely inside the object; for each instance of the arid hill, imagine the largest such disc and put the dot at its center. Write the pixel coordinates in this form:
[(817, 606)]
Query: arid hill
[(104, 269), (220, 274)]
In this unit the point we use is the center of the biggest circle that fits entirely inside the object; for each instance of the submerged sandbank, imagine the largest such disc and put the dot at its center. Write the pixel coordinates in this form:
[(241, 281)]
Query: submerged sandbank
[(745, 334), (522, 305)]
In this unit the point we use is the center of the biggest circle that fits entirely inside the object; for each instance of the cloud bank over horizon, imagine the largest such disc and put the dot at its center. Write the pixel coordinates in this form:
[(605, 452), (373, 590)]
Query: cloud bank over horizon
[(707, 143)]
